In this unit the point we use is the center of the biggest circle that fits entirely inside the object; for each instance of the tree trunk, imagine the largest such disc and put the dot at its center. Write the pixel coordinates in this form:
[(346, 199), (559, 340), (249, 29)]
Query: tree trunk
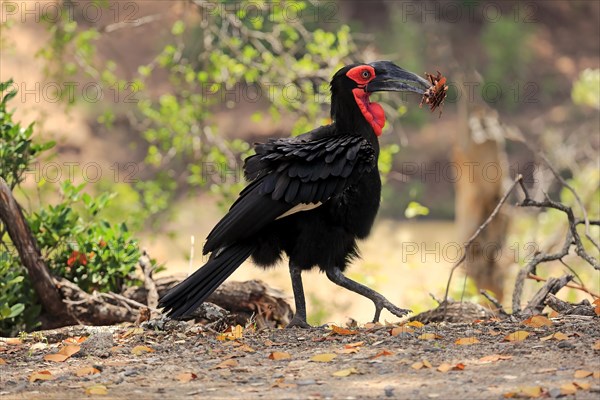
[(29, 253), (481, 160)]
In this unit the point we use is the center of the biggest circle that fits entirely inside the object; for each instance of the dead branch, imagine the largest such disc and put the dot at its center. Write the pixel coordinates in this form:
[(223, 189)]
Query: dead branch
[(552, 286), (572, 239), (564, 183), (562, 307), (580, 287), (30, 255), (99, 309), (481, 227), (495, 302), (149, 284)]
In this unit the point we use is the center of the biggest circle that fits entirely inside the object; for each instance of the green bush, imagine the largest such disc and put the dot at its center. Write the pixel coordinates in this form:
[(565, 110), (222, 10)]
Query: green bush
[(76, 242)]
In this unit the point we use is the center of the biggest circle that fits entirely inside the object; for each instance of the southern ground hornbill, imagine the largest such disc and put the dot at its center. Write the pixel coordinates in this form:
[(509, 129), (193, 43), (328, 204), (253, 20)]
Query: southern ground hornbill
[(310, 197)]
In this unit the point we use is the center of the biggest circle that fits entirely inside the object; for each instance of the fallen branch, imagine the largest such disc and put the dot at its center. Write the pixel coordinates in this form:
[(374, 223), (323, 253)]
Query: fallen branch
[(481, 227), (552, 286), (572, 239), (562, 307), (93, 309)]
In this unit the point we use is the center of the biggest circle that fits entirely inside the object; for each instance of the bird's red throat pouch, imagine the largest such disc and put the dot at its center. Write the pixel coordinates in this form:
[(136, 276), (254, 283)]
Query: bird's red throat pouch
[(373, 112)]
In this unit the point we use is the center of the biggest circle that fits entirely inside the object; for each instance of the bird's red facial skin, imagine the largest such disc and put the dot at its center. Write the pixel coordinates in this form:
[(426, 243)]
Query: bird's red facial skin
[(372, 112), (362, 74)]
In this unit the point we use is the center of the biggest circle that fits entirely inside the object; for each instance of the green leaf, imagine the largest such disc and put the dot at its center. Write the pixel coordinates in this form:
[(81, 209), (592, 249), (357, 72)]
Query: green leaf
[(415, 209), (178, 28)]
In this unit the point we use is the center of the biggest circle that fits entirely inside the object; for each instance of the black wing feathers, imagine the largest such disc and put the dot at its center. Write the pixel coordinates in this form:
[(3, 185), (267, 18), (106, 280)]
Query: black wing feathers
[(283, 173)]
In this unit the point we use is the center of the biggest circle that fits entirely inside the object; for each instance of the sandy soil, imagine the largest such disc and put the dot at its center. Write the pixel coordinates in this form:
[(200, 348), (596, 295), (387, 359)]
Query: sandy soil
[(383, 366)]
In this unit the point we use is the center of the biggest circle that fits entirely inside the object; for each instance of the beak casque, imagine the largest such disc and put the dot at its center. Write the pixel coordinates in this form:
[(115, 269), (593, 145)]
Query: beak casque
[(391, 78)]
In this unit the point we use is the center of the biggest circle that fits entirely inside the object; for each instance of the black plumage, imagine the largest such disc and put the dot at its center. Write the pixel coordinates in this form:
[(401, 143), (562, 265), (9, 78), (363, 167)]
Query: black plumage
[(309, 197)]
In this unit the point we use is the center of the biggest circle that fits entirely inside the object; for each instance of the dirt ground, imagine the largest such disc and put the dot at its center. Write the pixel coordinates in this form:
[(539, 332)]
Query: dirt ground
[(370, 362)]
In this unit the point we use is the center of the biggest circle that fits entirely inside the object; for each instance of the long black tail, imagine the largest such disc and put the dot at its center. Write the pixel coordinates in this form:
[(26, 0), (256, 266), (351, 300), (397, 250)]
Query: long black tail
[(184, 298)]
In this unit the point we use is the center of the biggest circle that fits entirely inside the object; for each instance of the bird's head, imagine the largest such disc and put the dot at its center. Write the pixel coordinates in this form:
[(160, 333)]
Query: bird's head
[(352, 85)]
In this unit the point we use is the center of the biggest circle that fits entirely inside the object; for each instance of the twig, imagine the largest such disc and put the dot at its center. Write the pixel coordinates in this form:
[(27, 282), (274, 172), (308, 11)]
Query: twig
[(569, 285), (576, 239), (577, 198), (518, 179), (552, 286), (131, 24), (494, 301), (124, 299)]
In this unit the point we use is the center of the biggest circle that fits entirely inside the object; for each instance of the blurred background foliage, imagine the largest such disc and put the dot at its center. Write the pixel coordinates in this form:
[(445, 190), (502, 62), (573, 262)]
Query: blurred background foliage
[(187, 86)]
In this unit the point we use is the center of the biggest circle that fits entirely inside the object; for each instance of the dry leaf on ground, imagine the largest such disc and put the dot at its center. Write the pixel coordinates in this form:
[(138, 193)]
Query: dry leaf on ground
[(583, 385), (96, 390), (568, 388), (279, 355), (342, 331), (87, 371), (444, 367), (421, 364), (2, 361), (139, 350), (63, 354), (466, 341), (383, 352), (353, 345), (186, 377), (531, 392), (581, 373), (517, 336), (325, 357), (401, 329), (416, 324), (556, 336), (537, 321), (41, 376), (494, 357), (75, 340), (429, 336), (232, 333)]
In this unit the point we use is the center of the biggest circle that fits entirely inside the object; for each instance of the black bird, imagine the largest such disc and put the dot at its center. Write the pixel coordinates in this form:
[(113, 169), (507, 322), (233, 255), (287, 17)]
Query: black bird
[(310, 197)]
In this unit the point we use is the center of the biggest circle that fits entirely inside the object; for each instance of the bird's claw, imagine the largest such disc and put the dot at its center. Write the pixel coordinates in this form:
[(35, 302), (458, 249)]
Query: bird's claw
[(298, 322), (383, 303)]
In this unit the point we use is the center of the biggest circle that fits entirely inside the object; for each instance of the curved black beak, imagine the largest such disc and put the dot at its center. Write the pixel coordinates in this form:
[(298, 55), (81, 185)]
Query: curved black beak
[(391, 78)]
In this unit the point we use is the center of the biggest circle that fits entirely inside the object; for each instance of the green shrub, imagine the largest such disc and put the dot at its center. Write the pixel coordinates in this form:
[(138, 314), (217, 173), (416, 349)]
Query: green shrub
[(75, 240)]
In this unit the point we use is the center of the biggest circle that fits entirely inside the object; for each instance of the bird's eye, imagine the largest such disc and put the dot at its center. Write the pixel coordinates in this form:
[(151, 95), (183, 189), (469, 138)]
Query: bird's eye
[(366, 74)]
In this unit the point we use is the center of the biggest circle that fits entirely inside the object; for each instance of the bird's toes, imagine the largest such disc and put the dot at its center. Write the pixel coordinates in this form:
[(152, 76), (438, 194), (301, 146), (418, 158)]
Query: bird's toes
[(399, 312), (298, 323)]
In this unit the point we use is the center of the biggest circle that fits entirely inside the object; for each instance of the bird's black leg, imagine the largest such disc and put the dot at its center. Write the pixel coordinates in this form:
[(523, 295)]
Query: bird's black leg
[(336, 276), (299, 319)]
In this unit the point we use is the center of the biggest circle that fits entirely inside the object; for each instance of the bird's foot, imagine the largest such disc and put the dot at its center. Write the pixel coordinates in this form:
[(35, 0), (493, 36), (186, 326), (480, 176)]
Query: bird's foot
[(382, 303), (298, 322)]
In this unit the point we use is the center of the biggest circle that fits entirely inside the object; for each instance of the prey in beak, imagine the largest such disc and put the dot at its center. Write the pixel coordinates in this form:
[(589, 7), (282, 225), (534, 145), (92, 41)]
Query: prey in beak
[(391, 78)]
